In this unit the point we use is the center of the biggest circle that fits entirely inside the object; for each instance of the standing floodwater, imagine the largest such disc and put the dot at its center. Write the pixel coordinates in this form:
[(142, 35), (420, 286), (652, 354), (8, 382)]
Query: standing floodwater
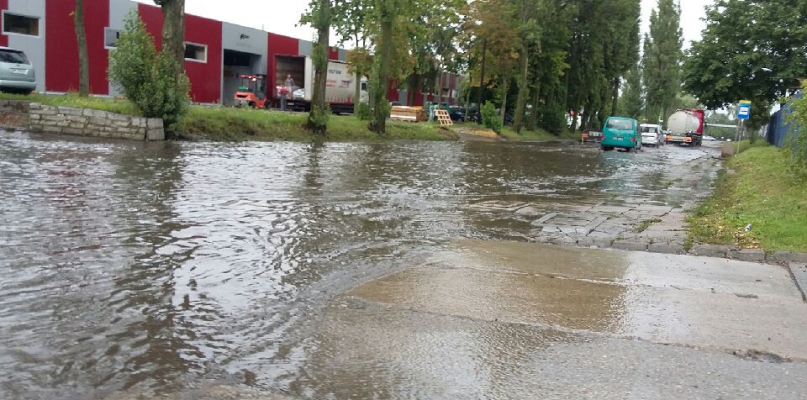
[(147, 266)]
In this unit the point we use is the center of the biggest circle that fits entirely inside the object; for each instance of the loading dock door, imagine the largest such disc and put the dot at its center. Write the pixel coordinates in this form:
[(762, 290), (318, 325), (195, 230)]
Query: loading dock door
[(237, 63)]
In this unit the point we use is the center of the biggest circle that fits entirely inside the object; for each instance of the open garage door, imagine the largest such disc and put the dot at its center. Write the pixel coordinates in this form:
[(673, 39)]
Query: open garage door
[(237, 63)]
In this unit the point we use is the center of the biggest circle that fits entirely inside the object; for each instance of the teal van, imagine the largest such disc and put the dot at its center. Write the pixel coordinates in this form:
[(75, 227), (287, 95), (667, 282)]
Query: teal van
[(621, 133)]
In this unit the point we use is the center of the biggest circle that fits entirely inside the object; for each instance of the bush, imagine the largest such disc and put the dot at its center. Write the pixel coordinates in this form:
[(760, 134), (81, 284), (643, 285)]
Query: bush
[(553, 119), (363, 112), (490, 118), (147, 77), (796, 148)]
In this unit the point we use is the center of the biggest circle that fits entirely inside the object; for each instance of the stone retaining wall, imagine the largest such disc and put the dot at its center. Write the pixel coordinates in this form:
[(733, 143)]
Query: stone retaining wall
[(80, 122)]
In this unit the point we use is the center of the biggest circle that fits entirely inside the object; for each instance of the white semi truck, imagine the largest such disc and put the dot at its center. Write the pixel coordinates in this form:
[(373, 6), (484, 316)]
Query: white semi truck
[(339, 92)]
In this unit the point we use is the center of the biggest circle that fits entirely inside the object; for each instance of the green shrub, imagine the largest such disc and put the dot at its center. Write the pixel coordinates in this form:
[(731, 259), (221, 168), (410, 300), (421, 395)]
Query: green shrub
[(363, 112), (147, 77), (490, 118), (553, 119)]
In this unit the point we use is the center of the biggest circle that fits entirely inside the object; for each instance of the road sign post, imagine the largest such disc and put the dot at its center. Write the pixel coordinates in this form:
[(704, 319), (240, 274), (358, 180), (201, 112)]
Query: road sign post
[(743, 114)]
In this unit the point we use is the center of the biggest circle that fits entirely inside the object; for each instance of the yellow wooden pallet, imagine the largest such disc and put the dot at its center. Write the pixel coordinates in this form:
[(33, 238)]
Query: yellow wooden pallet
[(443, 118)]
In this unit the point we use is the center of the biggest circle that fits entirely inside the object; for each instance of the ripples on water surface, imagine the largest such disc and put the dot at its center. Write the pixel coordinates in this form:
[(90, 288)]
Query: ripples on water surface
[(132, 265)]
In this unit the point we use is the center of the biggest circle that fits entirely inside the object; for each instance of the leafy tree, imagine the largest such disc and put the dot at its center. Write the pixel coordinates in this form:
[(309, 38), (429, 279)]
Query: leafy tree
[(751, 50), (174, 33), (349, 20), (146, 76), (83, 54), (496, 24), (663, 55), (320, 17), (386, 13), (632, 102)]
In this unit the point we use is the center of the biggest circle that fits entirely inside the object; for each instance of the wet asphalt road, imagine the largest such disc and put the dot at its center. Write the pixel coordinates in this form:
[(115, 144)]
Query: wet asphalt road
[(345, 271)]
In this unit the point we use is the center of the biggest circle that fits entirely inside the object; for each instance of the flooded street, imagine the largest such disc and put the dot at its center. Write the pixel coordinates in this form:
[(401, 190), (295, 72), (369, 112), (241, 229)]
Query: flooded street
[(359, 270)]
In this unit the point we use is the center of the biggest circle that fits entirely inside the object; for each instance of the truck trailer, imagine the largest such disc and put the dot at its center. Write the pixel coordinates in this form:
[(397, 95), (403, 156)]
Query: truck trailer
[(339, 92)]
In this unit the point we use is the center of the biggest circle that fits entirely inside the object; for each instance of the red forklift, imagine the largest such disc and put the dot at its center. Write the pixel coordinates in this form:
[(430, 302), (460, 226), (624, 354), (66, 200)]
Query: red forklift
[(252, 92)]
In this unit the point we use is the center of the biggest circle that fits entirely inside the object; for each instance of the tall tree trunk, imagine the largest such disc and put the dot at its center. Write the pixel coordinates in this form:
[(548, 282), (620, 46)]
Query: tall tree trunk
[(536, 102), (174, 32), (381, 109), (615, 96), (505, 88), (317, 117), (482, 77), (83, 54), (523, 89)]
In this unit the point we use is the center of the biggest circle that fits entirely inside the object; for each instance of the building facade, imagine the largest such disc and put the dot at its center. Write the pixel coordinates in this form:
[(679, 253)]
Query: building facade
[(217, 52)]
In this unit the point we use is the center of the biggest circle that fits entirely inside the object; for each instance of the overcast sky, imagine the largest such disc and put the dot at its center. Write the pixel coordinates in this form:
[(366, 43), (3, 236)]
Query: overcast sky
[(281, 16)]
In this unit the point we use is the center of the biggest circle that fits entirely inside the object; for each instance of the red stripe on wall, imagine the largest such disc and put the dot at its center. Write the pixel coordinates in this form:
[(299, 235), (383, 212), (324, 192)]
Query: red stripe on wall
[(152, 16), (3, 38), (333, 53), (279, 45), (205, 77), (61, 46)]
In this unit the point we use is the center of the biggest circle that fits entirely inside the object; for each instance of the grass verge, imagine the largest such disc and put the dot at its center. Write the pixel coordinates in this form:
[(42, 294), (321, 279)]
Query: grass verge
[(761, 192), (119, 106), (234, 124)]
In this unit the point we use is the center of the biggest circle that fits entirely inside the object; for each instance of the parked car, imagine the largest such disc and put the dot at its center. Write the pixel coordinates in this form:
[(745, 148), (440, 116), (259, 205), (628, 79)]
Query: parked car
[(17, 74), (591, 136), (457, 113), (622, 133)]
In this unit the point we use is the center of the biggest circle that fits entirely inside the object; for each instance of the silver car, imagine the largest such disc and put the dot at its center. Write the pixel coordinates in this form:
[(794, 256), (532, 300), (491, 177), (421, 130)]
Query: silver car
[(17, 75)]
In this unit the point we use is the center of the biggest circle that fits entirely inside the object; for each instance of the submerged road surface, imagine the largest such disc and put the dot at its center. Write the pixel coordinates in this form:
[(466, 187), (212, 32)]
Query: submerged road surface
[(372, 270)]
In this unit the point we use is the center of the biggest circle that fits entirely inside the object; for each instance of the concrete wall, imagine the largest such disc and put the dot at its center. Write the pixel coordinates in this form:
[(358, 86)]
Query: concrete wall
[(33, 46), (81, 122), (247, 40)]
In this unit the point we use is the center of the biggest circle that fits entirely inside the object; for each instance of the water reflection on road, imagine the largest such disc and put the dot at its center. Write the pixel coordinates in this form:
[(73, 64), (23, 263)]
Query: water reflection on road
[(148, 265)]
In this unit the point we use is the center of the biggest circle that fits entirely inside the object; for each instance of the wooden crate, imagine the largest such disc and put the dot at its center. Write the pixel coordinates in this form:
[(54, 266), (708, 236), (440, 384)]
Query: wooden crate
[(408, 114)]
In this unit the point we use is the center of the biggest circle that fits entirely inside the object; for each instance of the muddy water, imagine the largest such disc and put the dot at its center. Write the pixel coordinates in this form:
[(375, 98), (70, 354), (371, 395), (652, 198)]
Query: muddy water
[(144, 267)]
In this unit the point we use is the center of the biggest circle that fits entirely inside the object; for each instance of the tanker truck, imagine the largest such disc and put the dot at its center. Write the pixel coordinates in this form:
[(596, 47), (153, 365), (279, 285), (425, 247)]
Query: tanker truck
[(685, 126)]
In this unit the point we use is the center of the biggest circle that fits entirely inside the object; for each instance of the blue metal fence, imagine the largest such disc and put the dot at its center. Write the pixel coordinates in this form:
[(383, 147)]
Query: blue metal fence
[(781, 128)]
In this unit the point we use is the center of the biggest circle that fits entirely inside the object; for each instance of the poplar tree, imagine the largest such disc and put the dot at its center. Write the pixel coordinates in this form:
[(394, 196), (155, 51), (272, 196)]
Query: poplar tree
[(632, 102), (663, 56)]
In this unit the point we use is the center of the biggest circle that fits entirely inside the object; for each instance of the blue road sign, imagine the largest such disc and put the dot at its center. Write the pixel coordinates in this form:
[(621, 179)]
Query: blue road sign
[(744, 109)]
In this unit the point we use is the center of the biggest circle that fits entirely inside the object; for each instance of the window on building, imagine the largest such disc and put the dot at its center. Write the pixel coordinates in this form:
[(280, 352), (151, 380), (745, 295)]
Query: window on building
[(111, 37), (195, 52), (20, 24)]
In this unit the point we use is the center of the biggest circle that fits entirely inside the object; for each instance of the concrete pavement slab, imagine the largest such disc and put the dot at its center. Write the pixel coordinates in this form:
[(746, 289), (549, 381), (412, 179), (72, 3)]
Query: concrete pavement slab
[(363, 350), (681, 300)]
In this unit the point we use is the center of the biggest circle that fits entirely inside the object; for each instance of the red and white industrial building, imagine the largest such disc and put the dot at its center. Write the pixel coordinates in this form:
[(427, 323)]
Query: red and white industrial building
[(217, 52)]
